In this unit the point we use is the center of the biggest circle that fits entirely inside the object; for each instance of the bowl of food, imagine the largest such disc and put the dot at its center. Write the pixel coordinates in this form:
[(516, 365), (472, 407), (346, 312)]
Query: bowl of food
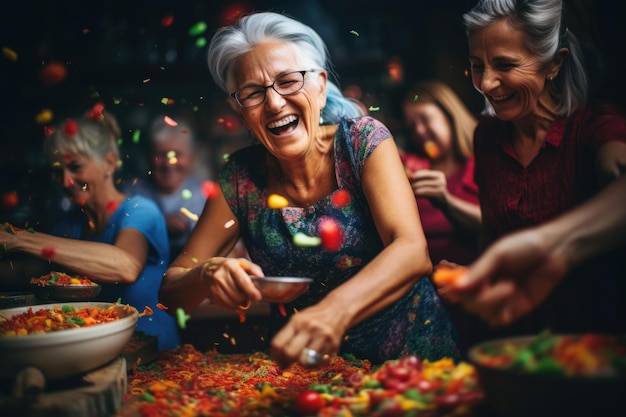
[(65, 339), (60, 286), (281, 289), (552, 374)]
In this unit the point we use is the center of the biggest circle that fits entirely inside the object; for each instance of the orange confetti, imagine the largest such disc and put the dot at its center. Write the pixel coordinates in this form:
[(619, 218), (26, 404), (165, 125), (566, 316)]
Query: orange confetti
[(169, 121), (161, 306), (10, 199), (281, 309), (9, 54), (445, 274), (431, 149), (53, 73), (146, 312)]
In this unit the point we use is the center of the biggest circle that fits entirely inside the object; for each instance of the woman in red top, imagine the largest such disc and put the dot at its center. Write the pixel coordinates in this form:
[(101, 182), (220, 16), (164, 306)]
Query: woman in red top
[(439, 162), (549, 166)]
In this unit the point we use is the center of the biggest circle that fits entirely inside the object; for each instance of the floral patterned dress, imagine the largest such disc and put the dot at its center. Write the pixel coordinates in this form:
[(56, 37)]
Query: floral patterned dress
[(416, 324)]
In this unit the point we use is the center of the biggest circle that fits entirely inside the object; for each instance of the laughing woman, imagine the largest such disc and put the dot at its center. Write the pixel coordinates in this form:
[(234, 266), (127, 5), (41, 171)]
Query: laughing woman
[(331, 164)]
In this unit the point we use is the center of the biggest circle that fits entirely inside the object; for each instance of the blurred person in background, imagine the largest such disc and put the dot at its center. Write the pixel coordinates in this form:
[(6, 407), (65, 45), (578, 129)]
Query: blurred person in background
[(117, 241)]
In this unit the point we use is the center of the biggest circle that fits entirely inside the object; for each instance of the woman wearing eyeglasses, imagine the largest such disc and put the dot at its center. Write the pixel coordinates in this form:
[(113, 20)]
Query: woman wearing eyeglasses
[(343, 186)]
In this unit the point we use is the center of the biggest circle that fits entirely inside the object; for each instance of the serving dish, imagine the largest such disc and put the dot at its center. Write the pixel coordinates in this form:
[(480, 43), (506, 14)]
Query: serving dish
[(64, 353), (59, 286), (281, 289), (543, 389)]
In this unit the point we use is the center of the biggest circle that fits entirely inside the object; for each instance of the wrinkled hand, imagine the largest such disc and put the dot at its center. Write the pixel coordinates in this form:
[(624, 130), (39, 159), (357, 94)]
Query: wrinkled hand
[(229, 281), (177, 224), (317, 327), (510, 279), (432, 184), (8, 237)]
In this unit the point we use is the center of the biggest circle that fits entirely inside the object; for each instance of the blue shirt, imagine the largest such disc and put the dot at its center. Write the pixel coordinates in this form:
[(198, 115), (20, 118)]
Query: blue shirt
[(143, 215)]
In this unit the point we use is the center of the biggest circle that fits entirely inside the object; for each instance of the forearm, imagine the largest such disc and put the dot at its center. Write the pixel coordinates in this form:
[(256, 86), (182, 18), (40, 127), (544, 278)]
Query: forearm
[(99, 261), (463, 213), (183, 288), (382, 282)]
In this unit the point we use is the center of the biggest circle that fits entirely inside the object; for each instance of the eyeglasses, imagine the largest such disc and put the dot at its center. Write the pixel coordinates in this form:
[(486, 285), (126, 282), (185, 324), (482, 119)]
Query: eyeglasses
[(286, 84)]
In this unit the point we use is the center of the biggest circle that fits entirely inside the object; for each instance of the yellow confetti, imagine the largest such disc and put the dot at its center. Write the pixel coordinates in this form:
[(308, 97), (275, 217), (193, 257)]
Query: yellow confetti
[(372, 108), (229, 224), (44, 116), (185, 211), (9, 53), (277, 201)]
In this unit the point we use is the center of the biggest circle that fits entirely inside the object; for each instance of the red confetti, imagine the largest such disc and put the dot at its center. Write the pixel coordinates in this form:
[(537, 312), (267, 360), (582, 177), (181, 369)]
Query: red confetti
[(281, 309), (330, 234), (209, 189), (167, 21), (340, 198), (53, 73), (169, 121), (48, 253), (10, 199), (70, 127), (161, 306), (67, 156), (112, 205), (48, 130), (96, 111)]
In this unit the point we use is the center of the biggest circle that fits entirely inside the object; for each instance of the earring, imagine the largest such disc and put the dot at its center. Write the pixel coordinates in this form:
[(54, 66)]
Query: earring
[(550, 78)]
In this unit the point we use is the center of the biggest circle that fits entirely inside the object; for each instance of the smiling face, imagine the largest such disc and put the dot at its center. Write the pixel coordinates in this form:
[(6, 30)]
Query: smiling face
[(285, 125), (172, 161), (507, 73), (82, 178), (428, 123)]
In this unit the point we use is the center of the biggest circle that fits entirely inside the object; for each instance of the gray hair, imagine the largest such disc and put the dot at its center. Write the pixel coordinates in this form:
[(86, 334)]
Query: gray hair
[(231, 42), (545, 27), (94, 138)]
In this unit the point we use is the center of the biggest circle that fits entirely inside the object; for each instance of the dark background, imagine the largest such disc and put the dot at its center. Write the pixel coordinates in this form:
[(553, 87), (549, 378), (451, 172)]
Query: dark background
[(120, 53)]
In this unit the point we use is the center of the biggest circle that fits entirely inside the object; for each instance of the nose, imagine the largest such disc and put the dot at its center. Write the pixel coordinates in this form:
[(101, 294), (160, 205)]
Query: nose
[(273, 100), (488, 81)]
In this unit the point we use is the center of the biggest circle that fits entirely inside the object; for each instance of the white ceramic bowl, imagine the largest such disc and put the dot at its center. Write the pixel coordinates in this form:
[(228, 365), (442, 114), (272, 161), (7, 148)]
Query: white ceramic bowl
[(64, 353)]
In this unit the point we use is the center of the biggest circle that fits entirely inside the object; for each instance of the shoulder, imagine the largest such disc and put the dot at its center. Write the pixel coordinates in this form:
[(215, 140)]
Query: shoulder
[(138, 204), (368, 125)]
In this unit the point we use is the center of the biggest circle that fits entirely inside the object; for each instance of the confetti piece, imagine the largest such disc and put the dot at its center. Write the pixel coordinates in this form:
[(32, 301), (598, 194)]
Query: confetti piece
[(96, 111), (198, 29), (48, 130), (306, 241), (229, 224), (340, 198), (169, 121), (9, 54), (415, 98), (354, 32), (145, 80), (182, 318), (330, 234), (444, 274), (281, 309), (147, 311), (372, 108), (431, 149), (201, 42), (186, 194), (209, 189), (167, 21), (70, 127), (44, 116), (171, 154), (185, 211), (161, 306), (10, 199), (48, 253), (53, 73), (136, 136), (277, 201), (112, 206)]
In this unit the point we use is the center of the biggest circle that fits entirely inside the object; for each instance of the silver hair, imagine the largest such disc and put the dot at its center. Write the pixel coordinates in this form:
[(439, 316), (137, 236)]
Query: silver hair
[(545, 27), (231, 42)]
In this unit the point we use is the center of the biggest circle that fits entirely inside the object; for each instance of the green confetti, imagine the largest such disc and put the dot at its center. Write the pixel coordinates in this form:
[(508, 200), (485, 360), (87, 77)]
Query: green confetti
[(165, 100), (171, 154), (197, 29), (306, 241), (201, 42), (186, 194), (415, 98), (136, 136), (354, 32), (372, 108), (182, 318)]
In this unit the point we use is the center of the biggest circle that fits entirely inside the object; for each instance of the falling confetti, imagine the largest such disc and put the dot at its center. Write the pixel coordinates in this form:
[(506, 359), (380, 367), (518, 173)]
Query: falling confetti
[(340, 198), (9, 54), (281, 309), (96, 111), (70, 127), (48, 253), (167, 21), (147, 311), (431, 149), (169, 121), (201, 42), (48, 130), (209, 189), (354, 32), (186, 194), (277, 201), (229, 224), (53, 73), (112, 206), (182, 318), (185, 211), (330, 234), (198, 29), (161, 306), (136, 136), (372, 108), (44, 116), (303, 240), (10, 199), (415, 98)]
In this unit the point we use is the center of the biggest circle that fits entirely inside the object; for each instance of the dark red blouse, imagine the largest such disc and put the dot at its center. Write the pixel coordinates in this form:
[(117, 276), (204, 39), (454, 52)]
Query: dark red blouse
[(560, 177)]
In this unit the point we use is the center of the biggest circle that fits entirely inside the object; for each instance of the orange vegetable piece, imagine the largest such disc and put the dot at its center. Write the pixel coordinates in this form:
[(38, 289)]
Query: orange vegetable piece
[(431, 149), (447, 274), (277, 201)]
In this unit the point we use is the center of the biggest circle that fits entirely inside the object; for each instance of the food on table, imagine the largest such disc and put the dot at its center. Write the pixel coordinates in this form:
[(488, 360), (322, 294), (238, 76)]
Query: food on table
[(50, 319), (584, 355), (61, 279), (184, 381), (447, 274)]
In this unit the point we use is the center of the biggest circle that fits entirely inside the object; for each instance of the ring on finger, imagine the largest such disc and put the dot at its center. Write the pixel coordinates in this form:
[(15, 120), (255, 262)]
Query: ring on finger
[(311, 357)]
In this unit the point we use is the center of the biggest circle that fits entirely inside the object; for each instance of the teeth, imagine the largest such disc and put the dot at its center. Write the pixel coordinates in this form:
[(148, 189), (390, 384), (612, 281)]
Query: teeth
[(501, 98), (281, 122)]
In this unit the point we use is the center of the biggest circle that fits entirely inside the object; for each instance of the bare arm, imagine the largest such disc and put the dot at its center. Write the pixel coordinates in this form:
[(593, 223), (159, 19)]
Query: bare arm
[(121, 262)]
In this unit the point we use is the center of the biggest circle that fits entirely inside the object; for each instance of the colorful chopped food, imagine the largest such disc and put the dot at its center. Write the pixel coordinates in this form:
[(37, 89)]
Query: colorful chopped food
[(184, 381), (61, 279), (43, 320), (585, 355)]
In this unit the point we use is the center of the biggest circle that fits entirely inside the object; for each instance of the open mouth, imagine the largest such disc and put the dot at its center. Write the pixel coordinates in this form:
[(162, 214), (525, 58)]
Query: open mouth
[(499, 99), (281, 126)]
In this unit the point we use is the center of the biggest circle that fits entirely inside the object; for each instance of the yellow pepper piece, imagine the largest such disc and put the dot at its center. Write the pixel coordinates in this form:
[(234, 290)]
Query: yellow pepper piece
[(276, 201)]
